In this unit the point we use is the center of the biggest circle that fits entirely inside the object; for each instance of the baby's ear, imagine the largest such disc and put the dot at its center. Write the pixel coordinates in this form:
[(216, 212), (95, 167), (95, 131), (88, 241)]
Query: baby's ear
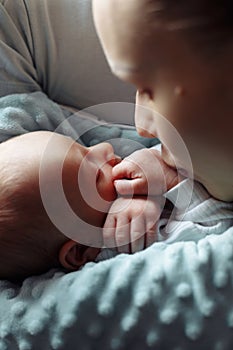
[(73, 255)]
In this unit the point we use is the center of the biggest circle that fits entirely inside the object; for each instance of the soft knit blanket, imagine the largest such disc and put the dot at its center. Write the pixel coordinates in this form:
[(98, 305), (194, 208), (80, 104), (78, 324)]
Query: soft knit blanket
[(176, 296), (22, 113), (166, 297)]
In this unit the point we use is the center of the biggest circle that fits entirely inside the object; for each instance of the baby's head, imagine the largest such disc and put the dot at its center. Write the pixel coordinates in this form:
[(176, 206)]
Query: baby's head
[(179, 56), (30, 241)]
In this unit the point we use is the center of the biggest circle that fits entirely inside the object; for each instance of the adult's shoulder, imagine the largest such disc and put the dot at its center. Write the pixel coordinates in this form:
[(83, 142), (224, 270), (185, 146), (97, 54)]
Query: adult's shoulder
[(52, 46)]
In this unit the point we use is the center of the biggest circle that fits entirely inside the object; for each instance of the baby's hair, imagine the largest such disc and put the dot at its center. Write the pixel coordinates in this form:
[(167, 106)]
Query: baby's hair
[(29, 243), (207, 23)]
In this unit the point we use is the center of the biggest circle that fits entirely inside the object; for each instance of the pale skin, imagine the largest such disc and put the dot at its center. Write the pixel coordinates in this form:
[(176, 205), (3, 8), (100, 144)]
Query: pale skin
[(131, 222), (176, 81)]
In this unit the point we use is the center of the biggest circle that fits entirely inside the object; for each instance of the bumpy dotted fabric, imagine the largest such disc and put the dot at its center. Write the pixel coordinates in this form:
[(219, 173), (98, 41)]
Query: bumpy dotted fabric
[(176, 296)]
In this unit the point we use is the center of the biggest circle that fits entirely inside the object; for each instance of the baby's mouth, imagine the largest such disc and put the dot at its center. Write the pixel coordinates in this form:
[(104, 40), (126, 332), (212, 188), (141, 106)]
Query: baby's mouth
[(170, 161), (167, 157)]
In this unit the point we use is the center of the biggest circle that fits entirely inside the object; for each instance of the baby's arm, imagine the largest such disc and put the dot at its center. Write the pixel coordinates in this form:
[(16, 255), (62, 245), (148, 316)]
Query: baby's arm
[(131, 223), (144, 172)]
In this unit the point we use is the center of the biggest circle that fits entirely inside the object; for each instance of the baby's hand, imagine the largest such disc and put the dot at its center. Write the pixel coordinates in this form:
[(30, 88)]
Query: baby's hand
[(144, 172), (131, 223)]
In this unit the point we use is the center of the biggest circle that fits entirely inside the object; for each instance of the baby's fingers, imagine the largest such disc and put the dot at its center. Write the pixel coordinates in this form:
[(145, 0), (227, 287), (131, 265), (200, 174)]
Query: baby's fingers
[(123, 170), (152, 224), (122, 235), (109, 230), (131, 186), (137, 234), (150, 237), (124, 187)]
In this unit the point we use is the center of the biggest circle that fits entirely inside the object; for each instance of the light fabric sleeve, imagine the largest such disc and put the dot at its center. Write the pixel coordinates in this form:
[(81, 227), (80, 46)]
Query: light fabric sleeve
[(17, 70), (195, 214), (52, 46)]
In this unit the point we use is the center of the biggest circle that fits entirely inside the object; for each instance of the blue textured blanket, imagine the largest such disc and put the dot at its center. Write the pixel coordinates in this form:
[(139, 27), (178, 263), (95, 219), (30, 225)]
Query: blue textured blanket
[(22, 113)]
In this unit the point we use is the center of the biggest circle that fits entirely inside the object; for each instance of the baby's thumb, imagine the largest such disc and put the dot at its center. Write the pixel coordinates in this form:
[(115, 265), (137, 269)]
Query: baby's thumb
[(131, 187), (124, 187)]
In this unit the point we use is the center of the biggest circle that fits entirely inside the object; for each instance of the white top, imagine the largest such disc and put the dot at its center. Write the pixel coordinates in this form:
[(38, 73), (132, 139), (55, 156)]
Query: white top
[(204, 215)]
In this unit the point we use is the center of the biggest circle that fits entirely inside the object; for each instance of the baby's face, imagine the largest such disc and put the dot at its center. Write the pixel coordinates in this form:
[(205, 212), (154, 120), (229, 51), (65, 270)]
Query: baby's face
[(88, 182), (68, 175), (172, 79)]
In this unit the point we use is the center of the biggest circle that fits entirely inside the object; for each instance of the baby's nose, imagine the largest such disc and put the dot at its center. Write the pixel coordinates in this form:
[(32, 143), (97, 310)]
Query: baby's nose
[(104, 153), (109, 156)]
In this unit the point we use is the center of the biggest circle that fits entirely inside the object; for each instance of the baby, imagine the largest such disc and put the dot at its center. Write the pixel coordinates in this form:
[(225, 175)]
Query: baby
[(171, 51), (32, 239)]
